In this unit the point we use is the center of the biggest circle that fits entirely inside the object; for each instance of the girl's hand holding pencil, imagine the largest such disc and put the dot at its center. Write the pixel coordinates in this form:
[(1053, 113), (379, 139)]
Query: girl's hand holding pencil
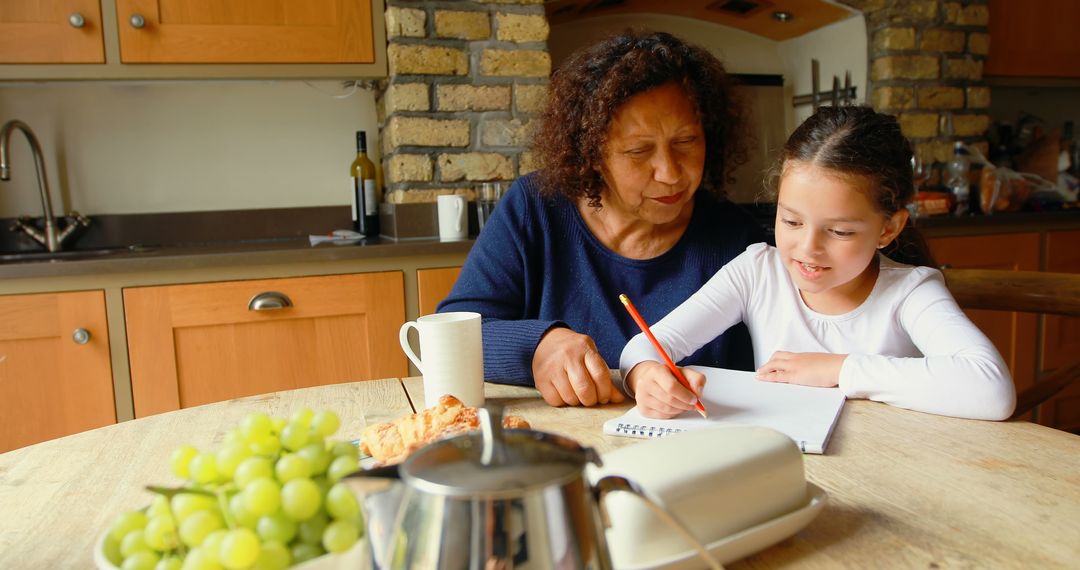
[(659, 394), (663, 403)]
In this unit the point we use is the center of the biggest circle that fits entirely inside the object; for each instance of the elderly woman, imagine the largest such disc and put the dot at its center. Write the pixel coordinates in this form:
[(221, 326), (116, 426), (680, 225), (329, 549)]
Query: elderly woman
[(640, 133)]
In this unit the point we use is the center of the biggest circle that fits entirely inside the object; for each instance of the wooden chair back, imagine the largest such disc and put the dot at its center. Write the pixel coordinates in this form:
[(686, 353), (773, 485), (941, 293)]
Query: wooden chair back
[(1024, 291)]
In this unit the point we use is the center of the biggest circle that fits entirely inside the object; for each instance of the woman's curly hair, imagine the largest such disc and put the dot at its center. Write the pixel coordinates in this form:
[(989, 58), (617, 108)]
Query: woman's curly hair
[(590, 87)]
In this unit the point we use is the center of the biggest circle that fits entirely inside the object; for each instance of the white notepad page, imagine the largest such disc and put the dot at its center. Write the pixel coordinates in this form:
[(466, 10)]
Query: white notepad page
[(806, 414)]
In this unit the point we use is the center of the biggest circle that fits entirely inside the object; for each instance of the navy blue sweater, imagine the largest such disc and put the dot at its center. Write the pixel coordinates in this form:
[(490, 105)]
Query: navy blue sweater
[(536, 266)]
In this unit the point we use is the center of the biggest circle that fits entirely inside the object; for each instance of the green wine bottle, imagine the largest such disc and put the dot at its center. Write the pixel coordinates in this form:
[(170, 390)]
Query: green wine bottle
[(365, 210)]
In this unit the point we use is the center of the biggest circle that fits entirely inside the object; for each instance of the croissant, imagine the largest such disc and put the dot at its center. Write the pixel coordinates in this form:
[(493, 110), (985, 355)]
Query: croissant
[(391, 442)]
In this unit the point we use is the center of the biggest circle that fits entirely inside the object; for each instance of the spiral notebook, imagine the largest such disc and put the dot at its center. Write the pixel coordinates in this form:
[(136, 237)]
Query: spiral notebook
[(806, 414)]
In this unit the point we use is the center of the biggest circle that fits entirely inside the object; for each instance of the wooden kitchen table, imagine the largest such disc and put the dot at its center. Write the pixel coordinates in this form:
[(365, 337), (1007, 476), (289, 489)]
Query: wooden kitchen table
[(906, 489), (58, 497)]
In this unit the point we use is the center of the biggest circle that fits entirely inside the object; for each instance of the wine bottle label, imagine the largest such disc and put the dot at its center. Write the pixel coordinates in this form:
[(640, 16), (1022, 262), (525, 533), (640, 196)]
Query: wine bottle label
[(371, 207), (354, 191)]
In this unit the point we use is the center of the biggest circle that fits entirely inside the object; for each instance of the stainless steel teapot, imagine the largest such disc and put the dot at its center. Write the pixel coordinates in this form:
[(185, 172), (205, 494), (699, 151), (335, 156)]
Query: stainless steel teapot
[(495, 500)]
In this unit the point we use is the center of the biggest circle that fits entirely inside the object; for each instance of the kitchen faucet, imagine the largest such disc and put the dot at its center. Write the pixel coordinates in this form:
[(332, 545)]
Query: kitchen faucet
[(50, 238)]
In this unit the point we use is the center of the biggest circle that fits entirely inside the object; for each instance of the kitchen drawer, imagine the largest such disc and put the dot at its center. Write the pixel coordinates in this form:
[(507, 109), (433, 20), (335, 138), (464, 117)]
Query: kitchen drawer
[(200, 343)]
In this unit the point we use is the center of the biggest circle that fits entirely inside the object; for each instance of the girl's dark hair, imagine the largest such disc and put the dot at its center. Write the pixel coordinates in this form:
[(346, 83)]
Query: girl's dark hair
[(860, 142), (590, 87)]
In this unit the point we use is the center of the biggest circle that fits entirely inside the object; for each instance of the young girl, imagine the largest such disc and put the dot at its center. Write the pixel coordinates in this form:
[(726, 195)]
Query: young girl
[(825, 307)]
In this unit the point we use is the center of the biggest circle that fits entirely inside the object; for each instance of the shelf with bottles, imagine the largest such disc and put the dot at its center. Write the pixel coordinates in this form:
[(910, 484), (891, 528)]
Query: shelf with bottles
[(1029, 168)]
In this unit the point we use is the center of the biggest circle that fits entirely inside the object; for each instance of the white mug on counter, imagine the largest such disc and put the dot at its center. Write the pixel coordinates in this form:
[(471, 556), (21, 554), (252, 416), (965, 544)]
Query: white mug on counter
[(453, 217), (453, 360)]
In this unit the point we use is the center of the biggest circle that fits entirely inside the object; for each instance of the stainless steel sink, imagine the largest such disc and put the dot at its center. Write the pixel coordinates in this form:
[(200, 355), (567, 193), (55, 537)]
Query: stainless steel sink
[(70, 255)]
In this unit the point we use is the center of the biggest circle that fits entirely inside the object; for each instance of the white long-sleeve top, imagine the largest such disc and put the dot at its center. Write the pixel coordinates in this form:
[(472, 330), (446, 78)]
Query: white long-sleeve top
[(908, 344)]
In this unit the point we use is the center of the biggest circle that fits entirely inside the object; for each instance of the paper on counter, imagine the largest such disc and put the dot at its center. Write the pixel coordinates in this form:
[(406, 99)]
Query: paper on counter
[(337, 237)]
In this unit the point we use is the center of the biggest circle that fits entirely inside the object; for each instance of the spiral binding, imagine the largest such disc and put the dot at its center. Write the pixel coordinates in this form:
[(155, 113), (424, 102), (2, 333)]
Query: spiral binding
[(645, 431)]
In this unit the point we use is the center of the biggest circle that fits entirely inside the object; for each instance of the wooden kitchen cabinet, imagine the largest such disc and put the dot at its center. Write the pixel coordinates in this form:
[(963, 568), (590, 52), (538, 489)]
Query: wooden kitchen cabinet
[(1014, 334), (192, 39), (43, 31), (1061, 336), (53, 381), (245, 31), (199, 343), (433, 285), (1033, 38)]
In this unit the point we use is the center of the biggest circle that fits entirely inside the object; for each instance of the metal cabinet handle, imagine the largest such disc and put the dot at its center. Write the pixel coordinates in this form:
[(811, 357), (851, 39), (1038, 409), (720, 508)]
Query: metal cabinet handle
[(269, 300), (137, 21), (76, 20), (80, 336)]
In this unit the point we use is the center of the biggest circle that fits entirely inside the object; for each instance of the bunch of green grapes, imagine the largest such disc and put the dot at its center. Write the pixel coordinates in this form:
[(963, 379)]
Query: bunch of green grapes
[(269, 498)]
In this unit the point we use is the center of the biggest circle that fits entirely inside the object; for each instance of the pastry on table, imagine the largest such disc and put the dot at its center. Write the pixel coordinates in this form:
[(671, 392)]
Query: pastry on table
[(391, 442)]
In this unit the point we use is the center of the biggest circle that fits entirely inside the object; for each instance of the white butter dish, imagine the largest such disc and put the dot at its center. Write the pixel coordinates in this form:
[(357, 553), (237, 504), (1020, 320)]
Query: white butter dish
[(722, 483)]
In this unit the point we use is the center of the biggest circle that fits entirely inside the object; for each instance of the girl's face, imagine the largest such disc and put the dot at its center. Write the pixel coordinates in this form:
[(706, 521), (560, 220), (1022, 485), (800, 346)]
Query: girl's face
[(654, 158), (828, 231)]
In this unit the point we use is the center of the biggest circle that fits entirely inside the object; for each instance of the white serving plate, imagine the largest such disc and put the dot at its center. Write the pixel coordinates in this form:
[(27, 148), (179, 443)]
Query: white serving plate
[(749, 541)]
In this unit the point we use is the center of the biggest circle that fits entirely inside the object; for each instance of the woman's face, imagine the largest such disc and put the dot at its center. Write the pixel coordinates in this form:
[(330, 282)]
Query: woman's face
[(655, 155), (828, 231)]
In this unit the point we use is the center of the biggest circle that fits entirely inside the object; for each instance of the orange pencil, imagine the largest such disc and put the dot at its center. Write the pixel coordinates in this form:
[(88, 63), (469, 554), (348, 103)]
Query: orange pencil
[(660, 350)]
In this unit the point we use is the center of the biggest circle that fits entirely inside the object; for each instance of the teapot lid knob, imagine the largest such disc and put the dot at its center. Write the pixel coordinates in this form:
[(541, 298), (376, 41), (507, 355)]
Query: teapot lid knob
[(491, 433)]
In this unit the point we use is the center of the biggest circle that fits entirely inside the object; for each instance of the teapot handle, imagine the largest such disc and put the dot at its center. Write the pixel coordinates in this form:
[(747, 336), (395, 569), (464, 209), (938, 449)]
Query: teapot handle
[(611, 483)]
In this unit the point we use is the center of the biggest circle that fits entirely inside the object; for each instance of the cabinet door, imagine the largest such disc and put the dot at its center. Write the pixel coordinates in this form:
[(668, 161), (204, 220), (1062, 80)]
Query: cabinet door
[(1014, 334), (1033, 38), (245, 31), (41, 31), (195, 344), (50, 384), (1061, 336), (433, 285)]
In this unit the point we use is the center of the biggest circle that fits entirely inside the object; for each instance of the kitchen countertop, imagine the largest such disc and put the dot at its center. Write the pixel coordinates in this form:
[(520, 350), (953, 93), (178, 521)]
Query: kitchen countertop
[(228, 254), (213, 240)]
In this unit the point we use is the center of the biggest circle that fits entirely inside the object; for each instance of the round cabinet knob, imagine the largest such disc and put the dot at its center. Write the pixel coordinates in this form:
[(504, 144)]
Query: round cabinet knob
[(80, 336), (137, 21), (269, 300), (76, 20)]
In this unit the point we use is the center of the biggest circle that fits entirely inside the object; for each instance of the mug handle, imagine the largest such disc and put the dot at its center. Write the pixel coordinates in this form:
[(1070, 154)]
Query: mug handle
[(403, 338), (459, 205), (616, 483)]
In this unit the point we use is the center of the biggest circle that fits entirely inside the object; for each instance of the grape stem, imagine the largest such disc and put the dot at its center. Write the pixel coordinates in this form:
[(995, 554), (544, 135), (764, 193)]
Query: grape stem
[(170, 492), (226, 512)]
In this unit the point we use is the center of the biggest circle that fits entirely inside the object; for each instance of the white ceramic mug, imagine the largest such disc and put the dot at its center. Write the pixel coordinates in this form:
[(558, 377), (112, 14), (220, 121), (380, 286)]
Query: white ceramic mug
[(453, 217), (453, 359)]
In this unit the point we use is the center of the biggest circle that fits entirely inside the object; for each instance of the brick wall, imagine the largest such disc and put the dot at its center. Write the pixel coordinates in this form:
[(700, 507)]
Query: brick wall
[(465, 80), (466, 77), (926, 64)]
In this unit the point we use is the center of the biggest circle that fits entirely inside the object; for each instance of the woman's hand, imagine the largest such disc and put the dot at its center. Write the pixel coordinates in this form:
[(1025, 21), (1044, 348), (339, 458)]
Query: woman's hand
[(569, 371), (659, 394), (806, 368)]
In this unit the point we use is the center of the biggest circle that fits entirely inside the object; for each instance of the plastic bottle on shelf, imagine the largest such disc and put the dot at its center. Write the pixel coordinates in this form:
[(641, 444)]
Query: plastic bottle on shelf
[(958, 181)]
